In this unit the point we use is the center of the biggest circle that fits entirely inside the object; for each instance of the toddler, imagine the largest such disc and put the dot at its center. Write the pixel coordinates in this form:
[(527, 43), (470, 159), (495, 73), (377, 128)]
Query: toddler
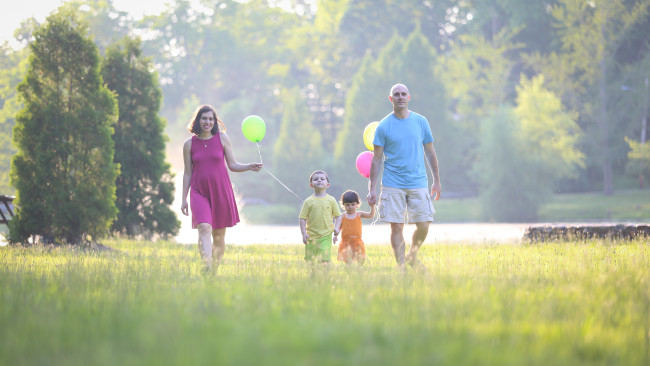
[(352, 247)]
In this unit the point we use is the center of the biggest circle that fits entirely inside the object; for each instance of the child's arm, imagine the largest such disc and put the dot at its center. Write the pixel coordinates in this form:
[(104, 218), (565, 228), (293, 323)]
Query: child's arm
[(368, 215), (303, 230), (337, 227)]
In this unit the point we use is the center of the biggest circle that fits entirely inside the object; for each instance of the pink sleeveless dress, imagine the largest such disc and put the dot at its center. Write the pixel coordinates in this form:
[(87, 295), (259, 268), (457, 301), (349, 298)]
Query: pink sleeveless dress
[(211, 196)]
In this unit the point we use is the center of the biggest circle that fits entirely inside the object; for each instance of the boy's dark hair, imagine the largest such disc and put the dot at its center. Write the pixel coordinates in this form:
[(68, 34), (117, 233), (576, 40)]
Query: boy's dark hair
[(318, 172), (350, 196)]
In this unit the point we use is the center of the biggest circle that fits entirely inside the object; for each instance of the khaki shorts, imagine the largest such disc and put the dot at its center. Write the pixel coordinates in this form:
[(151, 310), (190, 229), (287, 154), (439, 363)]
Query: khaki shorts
[(396, 203)]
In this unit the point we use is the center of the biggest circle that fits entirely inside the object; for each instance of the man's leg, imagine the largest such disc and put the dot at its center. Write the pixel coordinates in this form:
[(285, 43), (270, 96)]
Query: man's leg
[(397, 242), (420, 211), (420, 233)]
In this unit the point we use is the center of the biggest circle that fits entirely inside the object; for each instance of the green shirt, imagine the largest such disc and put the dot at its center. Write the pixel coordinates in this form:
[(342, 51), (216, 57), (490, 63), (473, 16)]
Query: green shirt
[(320, 213)]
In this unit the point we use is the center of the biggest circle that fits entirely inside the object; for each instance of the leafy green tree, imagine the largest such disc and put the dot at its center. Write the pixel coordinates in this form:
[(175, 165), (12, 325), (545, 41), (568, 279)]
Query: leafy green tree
[(236, 56), (367, 24), (477, 75), (330, 67), (63, 172), (632, 110), (550, 134), (13, 66), (145, 187), (586, 69), (530, 21), (298, 150), (524, 152), (639, 160), (106, 24), (505, 171)]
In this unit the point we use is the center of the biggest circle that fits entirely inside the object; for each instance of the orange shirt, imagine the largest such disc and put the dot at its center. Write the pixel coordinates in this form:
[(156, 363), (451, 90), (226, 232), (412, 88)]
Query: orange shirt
[(351, 237)]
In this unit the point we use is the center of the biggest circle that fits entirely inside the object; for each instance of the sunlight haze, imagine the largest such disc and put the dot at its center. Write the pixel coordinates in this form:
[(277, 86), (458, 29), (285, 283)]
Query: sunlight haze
[(15, 12)]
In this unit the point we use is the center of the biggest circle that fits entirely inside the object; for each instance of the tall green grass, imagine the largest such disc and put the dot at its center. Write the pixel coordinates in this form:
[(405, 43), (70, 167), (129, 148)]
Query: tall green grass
[(566, 303)]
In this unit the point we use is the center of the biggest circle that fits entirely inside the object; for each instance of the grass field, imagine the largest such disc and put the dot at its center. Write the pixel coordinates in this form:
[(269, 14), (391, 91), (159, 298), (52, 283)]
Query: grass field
[(564, 303)]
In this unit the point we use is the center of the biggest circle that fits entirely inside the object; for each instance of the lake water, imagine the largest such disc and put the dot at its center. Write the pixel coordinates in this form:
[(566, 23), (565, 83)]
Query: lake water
[(377, 234)]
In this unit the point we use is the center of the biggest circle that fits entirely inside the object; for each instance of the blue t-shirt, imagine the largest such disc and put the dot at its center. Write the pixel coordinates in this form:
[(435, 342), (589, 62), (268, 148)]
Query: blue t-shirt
[(403, 140)]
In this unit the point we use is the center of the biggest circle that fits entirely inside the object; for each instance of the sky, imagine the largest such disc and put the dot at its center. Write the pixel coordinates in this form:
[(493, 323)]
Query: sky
[(15, 11)]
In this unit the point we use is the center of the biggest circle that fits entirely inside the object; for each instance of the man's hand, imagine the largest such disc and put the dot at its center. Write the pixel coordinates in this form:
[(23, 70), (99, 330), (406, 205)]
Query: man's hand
[(371, 198), (435, 191)]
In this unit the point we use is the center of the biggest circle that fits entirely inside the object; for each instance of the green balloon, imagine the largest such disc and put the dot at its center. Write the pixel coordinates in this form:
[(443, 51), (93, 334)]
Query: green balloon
[(253, 128)]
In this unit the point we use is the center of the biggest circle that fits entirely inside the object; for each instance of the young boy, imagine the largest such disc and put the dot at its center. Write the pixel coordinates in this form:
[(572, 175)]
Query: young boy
[(319, 218)]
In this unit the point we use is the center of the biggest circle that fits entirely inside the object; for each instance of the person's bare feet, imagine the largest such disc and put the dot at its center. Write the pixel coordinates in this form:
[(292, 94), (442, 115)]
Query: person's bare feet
[(411, 258), (413, 262)]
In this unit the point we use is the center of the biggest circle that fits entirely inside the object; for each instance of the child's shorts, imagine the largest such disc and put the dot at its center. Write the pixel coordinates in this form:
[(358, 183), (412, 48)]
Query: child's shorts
[(320, 248)]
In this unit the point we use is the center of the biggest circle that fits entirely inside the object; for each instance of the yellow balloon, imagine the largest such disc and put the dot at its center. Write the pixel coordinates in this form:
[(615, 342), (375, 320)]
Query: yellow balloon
[(369, 135)]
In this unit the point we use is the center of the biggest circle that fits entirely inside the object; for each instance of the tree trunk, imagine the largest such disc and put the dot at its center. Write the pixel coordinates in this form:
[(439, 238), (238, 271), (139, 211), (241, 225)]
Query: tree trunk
[(644, 124), (608, 178)]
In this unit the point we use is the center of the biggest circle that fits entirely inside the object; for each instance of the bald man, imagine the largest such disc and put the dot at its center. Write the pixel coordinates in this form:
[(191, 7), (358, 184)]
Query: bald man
[(404, 143)]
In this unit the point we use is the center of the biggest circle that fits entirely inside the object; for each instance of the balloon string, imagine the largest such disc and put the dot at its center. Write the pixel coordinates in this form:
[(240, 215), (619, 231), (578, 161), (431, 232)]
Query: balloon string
[(259, 152), (377, 216), (271, 174)]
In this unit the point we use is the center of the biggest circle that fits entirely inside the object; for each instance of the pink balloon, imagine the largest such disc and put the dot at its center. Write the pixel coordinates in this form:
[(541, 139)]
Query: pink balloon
[(364, 160)]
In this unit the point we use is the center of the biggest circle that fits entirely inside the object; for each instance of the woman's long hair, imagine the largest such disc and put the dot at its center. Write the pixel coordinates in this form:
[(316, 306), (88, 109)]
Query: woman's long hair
[(195, 123)]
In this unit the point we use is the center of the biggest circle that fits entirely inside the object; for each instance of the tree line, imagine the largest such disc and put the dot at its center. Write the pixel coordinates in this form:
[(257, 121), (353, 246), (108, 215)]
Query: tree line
[(525, 99)]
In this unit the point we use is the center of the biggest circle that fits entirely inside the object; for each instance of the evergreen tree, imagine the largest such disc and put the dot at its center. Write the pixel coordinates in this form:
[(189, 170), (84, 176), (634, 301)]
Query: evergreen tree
[(366, 102), (145, 187), (63, 172)]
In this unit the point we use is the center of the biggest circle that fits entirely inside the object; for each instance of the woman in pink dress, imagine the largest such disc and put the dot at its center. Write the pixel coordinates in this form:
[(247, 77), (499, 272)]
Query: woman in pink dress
[(206, 179)]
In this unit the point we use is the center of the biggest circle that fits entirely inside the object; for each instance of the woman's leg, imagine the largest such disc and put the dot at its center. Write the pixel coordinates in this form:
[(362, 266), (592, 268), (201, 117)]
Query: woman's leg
[(219, 244), (205, 243)]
